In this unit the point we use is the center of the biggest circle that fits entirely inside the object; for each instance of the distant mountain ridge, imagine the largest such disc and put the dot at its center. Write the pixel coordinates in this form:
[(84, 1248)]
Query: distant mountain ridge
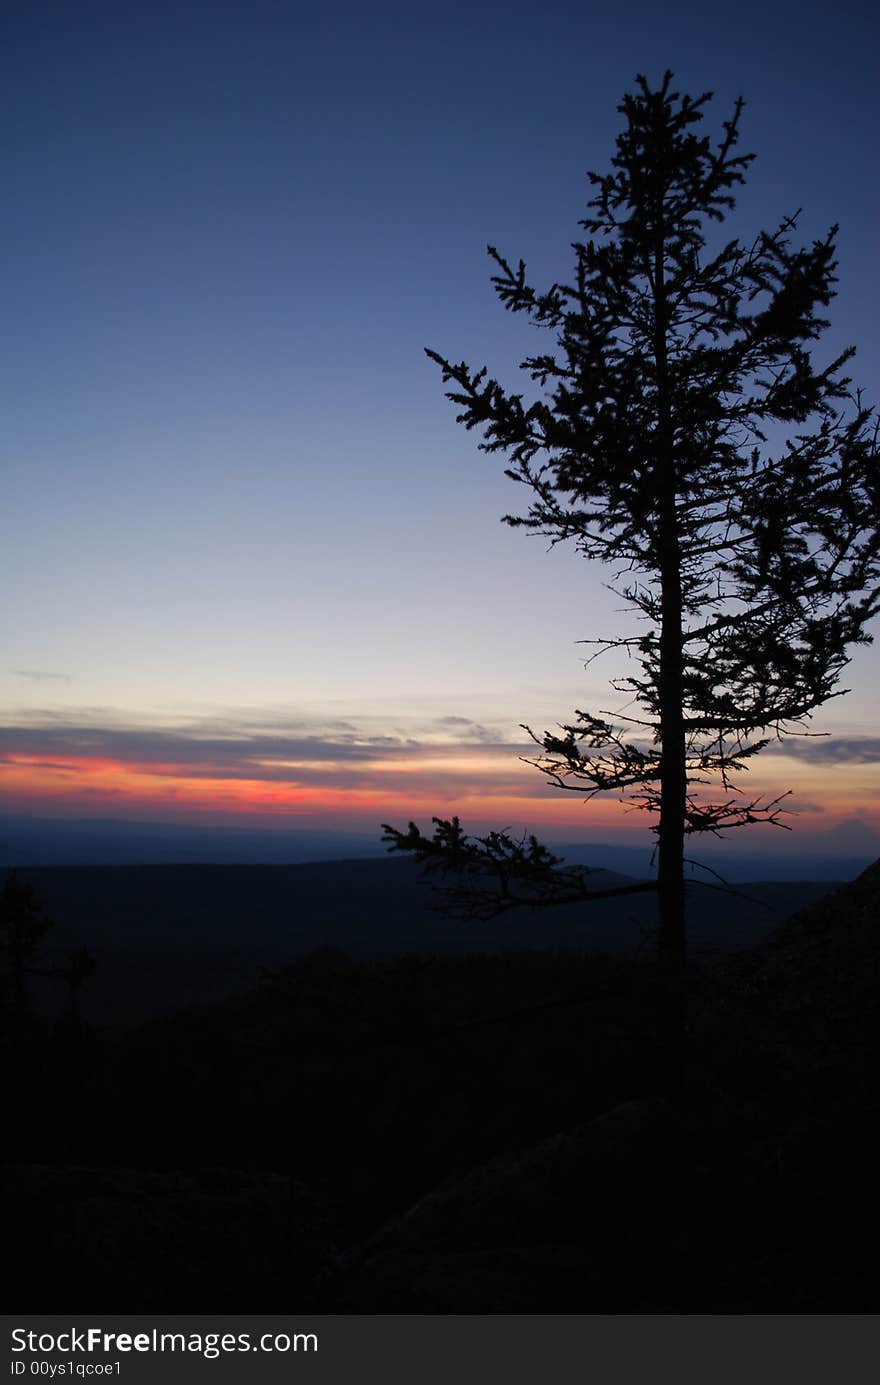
[(34, 841)]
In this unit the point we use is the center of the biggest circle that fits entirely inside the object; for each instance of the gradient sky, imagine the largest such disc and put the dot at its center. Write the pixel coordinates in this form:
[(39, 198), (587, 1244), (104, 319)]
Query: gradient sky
[(253, 568)]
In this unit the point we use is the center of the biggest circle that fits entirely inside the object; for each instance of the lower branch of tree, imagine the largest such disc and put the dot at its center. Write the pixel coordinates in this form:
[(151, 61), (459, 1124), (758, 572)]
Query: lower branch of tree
[(499, 872)]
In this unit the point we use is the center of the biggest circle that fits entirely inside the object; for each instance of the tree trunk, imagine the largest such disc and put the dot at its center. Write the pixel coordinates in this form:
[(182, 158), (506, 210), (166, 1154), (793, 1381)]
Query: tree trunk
[(19, 975), (673, 804), (673, 765)]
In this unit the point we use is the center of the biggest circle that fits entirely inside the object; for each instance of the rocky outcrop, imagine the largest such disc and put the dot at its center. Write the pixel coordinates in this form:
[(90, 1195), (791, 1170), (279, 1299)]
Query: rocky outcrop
[(587, 1221)]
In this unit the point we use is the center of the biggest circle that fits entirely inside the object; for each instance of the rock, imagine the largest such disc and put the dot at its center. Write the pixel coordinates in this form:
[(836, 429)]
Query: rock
[(586, 1221)]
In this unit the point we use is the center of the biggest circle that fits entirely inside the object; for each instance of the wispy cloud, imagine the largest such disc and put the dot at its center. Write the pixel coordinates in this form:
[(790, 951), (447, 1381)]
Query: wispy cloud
[(39, 675), (203, 745), (832, 750)]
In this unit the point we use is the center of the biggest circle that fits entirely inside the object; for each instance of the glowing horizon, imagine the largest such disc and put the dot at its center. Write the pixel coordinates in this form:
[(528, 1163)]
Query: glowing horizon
[(357, 777)]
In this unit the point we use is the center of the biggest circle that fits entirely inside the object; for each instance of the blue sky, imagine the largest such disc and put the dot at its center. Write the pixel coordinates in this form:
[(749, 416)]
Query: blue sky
[(233, 490)]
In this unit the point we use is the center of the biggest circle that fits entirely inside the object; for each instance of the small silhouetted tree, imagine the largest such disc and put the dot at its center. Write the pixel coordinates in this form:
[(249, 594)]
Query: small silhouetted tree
[(23, 926), (74, 971), (683, 432)]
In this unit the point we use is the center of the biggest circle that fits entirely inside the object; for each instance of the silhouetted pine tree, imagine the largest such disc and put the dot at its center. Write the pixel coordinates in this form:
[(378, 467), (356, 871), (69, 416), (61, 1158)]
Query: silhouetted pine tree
[(683, 433)]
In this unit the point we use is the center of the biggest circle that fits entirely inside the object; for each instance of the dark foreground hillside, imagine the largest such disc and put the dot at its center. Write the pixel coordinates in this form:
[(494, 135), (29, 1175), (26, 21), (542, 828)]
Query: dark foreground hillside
[(479, 1134)]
